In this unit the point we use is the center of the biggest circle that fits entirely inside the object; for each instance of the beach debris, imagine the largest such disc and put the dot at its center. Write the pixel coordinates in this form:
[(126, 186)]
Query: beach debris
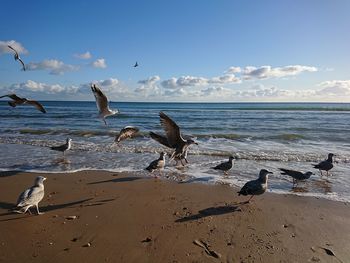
[(147, 239), (328, 251), (71, 217), (206, 248), (87, 244), (74, 239)]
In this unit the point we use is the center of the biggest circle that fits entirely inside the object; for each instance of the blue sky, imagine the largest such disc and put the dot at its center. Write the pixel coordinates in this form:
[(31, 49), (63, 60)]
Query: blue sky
[(187, 50)]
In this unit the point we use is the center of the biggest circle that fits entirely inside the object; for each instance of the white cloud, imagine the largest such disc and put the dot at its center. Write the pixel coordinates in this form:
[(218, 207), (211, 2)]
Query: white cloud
[(190, 81), (99, 63), (334, 88), (233, 70), (16, 45), (85, 55), (149, 87), (54, 66), (30, 87), (266, 72), (260, 91)]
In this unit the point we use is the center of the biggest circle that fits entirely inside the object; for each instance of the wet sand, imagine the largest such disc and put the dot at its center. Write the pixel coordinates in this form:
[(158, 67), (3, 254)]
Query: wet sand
[(128, 218)]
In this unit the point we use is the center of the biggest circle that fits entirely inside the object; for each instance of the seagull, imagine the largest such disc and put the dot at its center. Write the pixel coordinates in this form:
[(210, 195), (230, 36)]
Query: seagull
[(256, 187), (172, 138), (157, 164), (136, 65), (225, 166), (325, 165), (64, 147), (102, 104), (19, 101), (296, 174), (16, 56), (31, 197), (126, 132)]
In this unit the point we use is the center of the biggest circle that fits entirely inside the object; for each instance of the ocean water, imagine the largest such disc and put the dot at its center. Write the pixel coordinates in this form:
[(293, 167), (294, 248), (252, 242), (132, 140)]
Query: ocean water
[(260, 135)]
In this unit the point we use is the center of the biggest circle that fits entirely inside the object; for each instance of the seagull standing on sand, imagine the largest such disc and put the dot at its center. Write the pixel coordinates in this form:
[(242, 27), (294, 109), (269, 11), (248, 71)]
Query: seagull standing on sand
[(157, 164), (296, 175), (102, 104), (256, 187), (16, 56), (225, 166), (173, 138), (31, 197), (126, 132), (19, 101), (64, 147), (325, 165)]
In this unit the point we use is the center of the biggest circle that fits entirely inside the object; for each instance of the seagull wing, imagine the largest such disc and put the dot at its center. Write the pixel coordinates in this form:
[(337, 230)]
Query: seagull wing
[(23, 66), (23, 197), (171, 129), (31, 196), (161, 139), (13, 50), (101, 99), (36, 105), (12, 96)]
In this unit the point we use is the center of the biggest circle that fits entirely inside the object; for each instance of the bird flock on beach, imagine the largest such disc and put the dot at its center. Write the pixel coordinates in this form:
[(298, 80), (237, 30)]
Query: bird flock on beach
[(172, 139)]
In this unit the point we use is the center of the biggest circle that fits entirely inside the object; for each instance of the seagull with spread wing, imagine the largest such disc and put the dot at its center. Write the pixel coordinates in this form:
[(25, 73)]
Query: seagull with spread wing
[(16, 56), (126, 132), (102, 104), (173, 138), (19, 101)]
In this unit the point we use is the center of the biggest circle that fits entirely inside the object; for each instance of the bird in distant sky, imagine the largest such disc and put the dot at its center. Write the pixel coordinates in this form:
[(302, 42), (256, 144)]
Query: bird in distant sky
[(136, 65), (19, 101), (16, 56), (102, 104)]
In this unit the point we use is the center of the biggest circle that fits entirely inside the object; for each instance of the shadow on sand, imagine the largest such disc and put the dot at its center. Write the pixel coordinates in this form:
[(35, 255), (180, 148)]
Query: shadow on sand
[(9, 173), (211, 211), (118, 180), (9, 206)]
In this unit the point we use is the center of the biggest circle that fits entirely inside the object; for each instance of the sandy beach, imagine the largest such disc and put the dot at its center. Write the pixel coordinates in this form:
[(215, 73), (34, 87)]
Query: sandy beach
[(95, 216)]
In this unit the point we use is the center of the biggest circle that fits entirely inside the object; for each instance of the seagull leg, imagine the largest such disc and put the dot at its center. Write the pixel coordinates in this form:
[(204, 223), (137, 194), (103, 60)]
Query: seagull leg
[(250, 198), (182, 162), (37, 209), (321, 172), (186, 160), (104, 120)]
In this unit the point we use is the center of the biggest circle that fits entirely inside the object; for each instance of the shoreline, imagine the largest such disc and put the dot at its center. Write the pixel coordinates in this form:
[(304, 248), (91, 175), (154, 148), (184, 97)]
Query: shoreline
[(123, 217)]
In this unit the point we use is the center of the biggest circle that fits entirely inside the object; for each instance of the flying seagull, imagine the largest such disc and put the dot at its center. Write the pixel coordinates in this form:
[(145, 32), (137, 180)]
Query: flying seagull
[(136, 65), (31, 197), (225, 166), (64, 147), (19, 101), (126, 132), (256, 187), (172, 138), (16, 56), (325, 165), (102, 103), (157, 164), (296, 175)]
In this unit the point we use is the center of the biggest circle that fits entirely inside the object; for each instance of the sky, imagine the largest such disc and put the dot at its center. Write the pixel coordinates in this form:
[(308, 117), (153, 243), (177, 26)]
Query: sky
[(200, 51)]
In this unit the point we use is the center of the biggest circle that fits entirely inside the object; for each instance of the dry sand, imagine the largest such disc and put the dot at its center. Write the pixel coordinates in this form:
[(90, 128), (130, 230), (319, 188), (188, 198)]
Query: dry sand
[(128, 218)]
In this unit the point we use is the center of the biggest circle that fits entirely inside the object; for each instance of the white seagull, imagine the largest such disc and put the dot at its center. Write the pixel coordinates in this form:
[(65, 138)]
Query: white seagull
[(31, 197), (16, 56), (102, 103)]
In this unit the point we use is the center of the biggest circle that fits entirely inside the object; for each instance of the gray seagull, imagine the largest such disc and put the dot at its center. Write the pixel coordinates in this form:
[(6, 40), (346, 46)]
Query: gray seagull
[(296, 175), (325, 165), (256, 187), (64, 147), (225, 166), (19, 101), (16, 56), (173, 138), (31, 197), (126, 132), (157, 164), (102, 104)]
